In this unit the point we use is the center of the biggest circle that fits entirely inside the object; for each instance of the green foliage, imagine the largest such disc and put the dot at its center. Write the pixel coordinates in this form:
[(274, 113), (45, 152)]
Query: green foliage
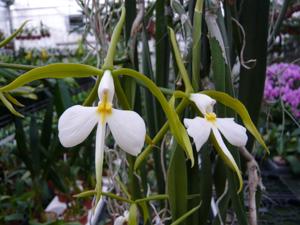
[(189, 183), (177, 183), (282, 136), (10, 38)]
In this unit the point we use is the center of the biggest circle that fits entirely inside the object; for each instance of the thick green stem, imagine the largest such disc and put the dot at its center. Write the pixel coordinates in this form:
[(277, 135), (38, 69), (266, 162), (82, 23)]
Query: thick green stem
[(17, 66), (93, 94), (180, 64), (196, 51), (108, 62), (159, 136)]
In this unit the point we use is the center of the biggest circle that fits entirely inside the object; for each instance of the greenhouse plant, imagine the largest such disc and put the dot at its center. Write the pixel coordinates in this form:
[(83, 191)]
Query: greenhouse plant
[(156, 117)]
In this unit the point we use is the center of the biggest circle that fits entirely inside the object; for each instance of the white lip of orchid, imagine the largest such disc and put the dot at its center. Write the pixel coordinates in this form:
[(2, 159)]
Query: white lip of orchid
[(127, 127), (200, 128)]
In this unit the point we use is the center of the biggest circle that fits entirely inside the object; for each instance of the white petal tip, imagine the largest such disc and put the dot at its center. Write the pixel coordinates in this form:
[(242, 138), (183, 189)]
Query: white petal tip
[(204, 103)]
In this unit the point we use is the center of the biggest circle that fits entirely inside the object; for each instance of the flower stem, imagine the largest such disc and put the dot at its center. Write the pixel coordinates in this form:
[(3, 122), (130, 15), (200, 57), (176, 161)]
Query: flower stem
[(142, 157), (176, 126), (180, 64), (108, 62), (17, 66)]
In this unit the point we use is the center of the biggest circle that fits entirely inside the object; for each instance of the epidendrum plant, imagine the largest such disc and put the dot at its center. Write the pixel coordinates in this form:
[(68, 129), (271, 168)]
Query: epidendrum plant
[(129, 131)]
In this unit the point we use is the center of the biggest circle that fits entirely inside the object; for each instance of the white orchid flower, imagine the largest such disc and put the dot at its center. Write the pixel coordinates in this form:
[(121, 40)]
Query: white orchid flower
[(121, 220), (200, 128), (127, 127)]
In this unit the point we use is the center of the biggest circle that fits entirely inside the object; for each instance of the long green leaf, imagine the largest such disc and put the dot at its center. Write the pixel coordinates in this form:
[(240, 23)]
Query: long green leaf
[(35, 149), (196, 51), (179, 61), (17, 66), (107, 194), (194, 185), (22, 147), (57, 179), (206, 184), (241, 110), (133, 215), (142, 157), (162, 48), (185, 216), (162, 53), (7, 40), (47, 126), (9, 106), (59, 70), (176, 126), (152, 198), (93, 93), (62, 97), (150, 107), (177, 183), (13, 100), (108, 62)]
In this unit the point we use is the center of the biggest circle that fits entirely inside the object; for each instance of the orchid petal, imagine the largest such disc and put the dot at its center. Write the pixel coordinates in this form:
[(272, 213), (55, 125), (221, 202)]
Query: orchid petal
[(106, 86), (203, 102), (234, 133), (199, 129), (226, 155), (128, 129), (100, 137), (75, 124)]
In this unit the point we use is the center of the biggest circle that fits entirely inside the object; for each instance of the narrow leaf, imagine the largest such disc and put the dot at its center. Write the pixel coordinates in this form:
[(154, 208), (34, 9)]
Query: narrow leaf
[(179, 61), (177, 128), (177, 183), (13, 100), (186, 215), (22, 147), (35, 149), (9, 106), (108, 62), (85, 194), (59, 70), (152, 198), (107, 194), (62, 97), (196, 50), (133, 215), (47, 126), (7, 40)]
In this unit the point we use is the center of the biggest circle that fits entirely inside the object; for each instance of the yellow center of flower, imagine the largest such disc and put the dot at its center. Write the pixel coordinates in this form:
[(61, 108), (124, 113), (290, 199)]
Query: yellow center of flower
[(211, 117), (104, 107)]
